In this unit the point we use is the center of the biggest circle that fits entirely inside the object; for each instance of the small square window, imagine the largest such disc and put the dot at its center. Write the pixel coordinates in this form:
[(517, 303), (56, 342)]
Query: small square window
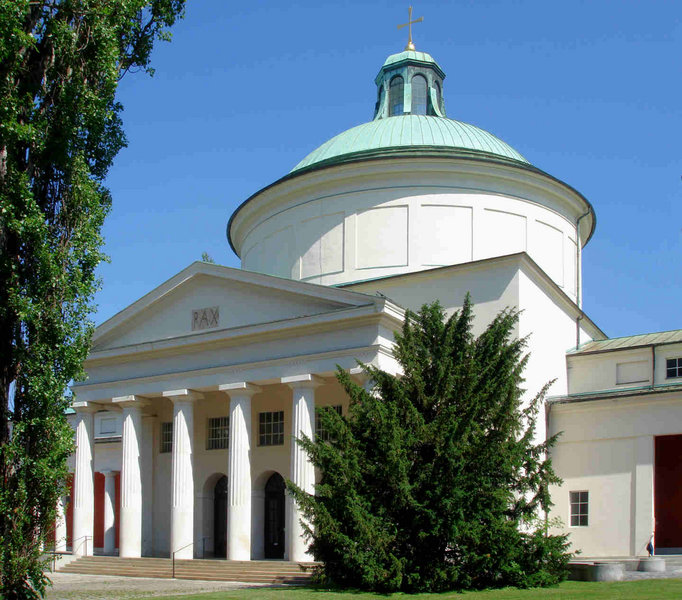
[(579, 508), (673, 368), (271, 428), (166, 437), (217, 437), (320, 432)]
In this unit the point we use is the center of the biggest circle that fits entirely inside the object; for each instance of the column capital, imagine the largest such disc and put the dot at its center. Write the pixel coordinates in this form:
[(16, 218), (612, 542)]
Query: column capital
[(130, 401), (183, 395), (85, 407), (307, 380), (240, 388)]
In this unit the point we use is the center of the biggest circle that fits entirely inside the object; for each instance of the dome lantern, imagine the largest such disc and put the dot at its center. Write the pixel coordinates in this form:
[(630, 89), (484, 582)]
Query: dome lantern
[(409, 83)]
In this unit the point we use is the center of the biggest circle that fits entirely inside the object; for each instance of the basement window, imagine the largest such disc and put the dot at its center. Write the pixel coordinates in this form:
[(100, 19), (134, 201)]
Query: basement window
[(217, 437), (673, 368), (271, 428), (579, 502)]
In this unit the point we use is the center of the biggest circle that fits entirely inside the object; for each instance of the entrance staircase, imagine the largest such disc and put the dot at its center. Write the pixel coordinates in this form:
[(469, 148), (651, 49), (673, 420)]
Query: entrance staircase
[(253, 571)]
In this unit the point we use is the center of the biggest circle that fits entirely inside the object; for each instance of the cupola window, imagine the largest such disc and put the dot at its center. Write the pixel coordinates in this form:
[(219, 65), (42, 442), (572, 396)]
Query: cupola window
[(395, 96), (419, 101), (380, 99)]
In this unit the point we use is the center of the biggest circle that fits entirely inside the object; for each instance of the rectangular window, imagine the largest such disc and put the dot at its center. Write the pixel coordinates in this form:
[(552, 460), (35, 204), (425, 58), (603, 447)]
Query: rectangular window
[(166, 437), (579, 508), (217, 437), (271, 428), (320, 431), (673, 367)]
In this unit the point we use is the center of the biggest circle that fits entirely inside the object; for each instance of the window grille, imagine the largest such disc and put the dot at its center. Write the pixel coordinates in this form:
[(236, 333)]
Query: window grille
[(579, 508), (271, 428), (673, 367), (320, 432), (166, 437), (217, 437)]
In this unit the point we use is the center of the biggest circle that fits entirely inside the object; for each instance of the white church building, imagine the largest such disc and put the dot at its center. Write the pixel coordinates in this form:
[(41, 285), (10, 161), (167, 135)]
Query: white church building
[(194, 394)]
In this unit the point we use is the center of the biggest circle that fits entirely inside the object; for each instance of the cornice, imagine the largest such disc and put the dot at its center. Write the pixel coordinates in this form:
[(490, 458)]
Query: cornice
[(381, 312)]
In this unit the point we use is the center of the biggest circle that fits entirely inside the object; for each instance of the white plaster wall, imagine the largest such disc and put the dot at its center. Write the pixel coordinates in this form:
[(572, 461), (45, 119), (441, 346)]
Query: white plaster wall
[(606, 447), (604, 469), (550, 331), (599, 372), (492, 288), (620, 369), (359, 222)]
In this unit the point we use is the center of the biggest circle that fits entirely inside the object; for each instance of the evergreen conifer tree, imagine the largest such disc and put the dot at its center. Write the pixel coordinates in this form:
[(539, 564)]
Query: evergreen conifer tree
[(433, 480)]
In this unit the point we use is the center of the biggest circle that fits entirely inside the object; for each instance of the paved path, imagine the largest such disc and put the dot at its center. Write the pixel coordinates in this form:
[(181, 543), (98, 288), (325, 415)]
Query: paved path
[(672, 572), (70, 586)]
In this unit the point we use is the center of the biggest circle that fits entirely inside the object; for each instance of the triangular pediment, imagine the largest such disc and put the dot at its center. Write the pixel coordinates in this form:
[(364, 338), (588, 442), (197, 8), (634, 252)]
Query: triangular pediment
[(209, 298)]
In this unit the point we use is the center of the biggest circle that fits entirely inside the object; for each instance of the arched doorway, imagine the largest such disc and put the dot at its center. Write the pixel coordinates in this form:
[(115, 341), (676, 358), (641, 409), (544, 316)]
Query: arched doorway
[(220, 518), (274, 517)]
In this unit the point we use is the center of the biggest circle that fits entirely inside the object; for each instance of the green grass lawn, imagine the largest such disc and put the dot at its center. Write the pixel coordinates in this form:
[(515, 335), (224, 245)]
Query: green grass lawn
[(658, 589)]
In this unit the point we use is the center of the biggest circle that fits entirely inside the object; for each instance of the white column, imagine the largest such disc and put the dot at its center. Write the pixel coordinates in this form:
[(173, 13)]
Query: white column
[(130, 535), (84, 483), (302, 470), (182, 476), (60, 527), (239, 470), (109, 512), (147, 462)]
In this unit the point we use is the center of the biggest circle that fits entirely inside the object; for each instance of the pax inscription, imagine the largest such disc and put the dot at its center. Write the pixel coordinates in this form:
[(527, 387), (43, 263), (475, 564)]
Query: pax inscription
[(205, 318)]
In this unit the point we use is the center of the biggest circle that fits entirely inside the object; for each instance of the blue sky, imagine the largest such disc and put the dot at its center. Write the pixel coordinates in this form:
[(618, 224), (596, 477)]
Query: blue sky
[(588, 91)]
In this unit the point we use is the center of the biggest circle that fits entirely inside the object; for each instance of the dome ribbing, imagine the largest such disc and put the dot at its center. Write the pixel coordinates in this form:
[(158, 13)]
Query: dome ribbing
[(416, 132)]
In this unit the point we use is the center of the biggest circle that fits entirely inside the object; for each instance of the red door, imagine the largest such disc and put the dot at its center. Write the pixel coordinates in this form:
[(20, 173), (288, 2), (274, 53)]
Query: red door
[(668, 493)]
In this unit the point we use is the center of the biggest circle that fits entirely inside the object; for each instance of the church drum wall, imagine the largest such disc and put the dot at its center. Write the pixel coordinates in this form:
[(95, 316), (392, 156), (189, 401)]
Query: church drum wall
[(363, 222)]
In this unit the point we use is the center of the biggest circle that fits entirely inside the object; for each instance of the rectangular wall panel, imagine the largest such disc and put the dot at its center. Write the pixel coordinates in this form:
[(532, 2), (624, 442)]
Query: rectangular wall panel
[(504, 232), (548, 250), (381, 237), (445, 234), (570, 262), (632, 372), (320, 245), (277, 247)]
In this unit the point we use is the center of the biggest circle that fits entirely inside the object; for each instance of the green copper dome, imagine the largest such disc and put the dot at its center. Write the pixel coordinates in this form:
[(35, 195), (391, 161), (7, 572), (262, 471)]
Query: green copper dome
[(405, 133), (409, 54)]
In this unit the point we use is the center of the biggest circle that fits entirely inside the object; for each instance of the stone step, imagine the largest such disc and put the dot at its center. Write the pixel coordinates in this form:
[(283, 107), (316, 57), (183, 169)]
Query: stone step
[(271, 572)]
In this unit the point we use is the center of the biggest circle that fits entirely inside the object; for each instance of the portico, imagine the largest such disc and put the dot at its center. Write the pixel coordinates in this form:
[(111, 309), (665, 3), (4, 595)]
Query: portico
[(184, 430)]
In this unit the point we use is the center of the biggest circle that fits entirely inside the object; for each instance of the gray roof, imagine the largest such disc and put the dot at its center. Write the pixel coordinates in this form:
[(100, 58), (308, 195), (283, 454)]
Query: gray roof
[(631, 341)]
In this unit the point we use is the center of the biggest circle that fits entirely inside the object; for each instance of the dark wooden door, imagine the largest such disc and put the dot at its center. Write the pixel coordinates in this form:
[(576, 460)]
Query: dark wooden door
[(274, 517), (668, 493), (220, 518)]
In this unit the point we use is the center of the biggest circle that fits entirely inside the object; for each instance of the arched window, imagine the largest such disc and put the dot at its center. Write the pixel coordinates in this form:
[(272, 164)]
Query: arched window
[(438, 100), (395, 96), (380, 99), (419, 95)]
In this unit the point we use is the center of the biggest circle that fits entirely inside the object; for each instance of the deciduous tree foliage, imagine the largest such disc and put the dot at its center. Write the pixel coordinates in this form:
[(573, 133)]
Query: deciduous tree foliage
[(60, 63), (433, 481)]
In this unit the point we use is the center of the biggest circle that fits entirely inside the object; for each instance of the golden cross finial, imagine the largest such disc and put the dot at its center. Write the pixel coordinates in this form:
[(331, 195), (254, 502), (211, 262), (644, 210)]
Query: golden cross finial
[(410, 45)]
